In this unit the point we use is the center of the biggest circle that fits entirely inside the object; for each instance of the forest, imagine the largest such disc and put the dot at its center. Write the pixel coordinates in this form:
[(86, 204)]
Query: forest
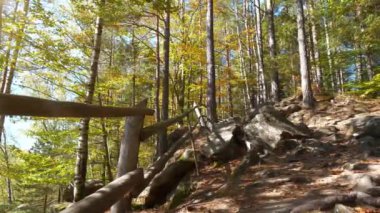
[(189, 105)]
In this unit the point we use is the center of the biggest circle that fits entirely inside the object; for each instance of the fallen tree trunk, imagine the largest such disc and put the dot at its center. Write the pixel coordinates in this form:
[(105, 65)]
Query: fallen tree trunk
[(103, 199), (159, 165), (167, 181)]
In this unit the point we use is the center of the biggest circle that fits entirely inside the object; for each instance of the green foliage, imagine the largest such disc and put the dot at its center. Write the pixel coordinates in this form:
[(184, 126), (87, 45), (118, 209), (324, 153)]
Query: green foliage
[(367, 89)]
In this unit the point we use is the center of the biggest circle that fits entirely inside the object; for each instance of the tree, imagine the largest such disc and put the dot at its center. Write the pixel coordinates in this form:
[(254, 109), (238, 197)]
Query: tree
[(307, 94), (163, 141), (315, 51), (275, 82), (261, 91), (211, 88), (82, 153)]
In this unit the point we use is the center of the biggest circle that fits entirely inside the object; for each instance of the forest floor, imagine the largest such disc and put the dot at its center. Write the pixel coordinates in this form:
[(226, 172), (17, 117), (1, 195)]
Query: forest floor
[(280, 183)]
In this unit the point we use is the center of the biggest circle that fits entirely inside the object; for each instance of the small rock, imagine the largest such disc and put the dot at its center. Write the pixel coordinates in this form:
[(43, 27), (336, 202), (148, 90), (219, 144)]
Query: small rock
[(299, 180), (355, 166), (340, 208)]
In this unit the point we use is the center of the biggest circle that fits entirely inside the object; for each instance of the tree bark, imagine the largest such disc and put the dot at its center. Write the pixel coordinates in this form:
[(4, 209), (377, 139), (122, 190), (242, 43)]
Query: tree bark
[(329, 55), (307, 94), (1, 22), (211, 88), (275, 82), (247, 97), (107, 158), (368, 60), (82, 152), (8, 181), (229, 77), (163, 142), (261, 93), (158, 70), (7, 78), (316, 55)]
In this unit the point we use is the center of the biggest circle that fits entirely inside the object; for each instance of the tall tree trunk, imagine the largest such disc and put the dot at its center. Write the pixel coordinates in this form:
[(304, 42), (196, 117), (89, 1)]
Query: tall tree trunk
[(307, 94), (275, 82), (368, 59), (82, 151), (229, 76), (45, 202), (107, 160), (134, 55), (329, 55), (359, 68), (7, 80), (1, 22), (261, 93), (315, 53), (247, 97), (8, 181), (248, 38), (211, 89), (163, 143), (16, 51), (158, 70), (200, 59)]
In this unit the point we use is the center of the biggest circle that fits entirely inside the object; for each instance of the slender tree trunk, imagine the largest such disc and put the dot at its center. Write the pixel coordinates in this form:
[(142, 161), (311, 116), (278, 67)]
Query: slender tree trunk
[(248, 38), (316, 55), (247, 97), (368, 60), (211, 89), (7, 165), (229, 76), (158, 70), (134, 55), (200, 59), (45, 202), (7, 82), (8, 51), (107, 160), (82, 151), (341, 79), (307, 94), (261, 93), (1, 22), (163, 143), (329, 55), (16, 51), (275, 82)]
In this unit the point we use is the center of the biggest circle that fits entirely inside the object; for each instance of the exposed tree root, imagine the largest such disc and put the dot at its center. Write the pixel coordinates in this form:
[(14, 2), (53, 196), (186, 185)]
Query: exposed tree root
[(353, 198)]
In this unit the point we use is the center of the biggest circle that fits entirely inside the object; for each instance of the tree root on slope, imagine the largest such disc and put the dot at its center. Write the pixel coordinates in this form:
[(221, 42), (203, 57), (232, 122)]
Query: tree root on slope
[(353, 198)]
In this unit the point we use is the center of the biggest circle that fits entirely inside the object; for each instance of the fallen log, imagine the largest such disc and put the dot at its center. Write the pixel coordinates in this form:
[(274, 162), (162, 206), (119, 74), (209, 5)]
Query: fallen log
[(103, 199), (167, 181), (157, 166)]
